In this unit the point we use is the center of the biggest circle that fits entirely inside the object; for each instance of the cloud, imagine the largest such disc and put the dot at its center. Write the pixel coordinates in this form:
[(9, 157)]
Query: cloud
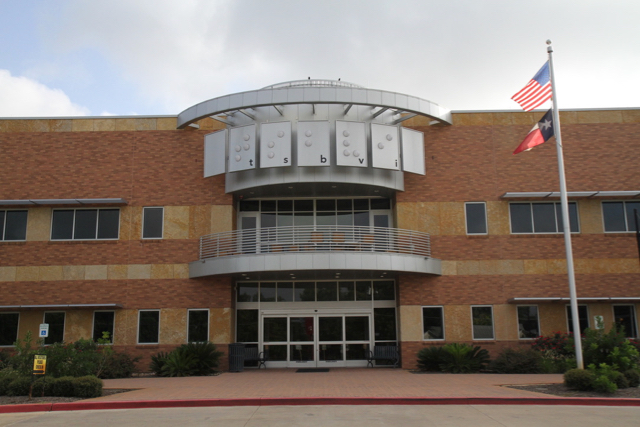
[(24, 97)]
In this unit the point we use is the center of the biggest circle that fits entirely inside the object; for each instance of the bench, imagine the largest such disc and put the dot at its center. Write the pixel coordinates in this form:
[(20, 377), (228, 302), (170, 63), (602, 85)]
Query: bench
[(251, 354), (384, 352)]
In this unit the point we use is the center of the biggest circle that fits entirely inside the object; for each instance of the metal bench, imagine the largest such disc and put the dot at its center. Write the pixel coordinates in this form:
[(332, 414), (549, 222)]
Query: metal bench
[(384, 352), (251, 354)]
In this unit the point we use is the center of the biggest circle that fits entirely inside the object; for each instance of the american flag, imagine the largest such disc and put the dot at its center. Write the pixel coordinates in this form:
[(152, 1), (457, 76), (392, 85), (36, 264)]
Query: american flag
[(537, 91)]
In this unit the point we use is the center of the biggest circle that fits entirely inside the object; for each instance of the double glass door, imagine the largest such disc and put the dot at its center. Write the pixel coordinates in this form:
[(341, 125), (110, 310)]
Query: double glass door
[(316, 340)]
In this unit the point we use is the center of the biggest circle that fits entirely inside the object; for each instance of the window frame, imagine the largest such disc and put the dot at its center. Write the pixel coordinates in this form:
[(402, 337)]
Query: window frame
[(555, 206), (635, 319), (3, 225), (624, 210), (138, 329), (537, 320), (567, 310), (144, 209), (64, 325), (466, 219), (493, 323), (17, 329), (189, 323), (73, 225), (113, 326), (444, 336)]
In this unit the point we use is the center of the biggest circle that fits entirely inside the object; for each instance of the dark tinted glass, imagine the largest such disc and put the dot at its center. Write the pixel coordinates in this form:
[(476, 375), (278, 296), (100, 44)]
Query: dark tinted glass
[(583, 318), (303, 205), (432, 323), (573, 217), (285, 292), (380, 204), (521, 218), (363, 291), (383, 290), (327, 291), (528, 321), (482, 322), (325, 205), (148, 327), (345, 204), (476, 218), (285, 205), (16, 225), (361, 204), (108, 223), (304, 291), (330, 328), (268, 206), (356, 328), (301, 329), (62, 225), (249, 205), (85, 226), (56, 327), (346, 291), (247, 292), (198, 326), (267, 292), (274, 329), (630, 206), (361, 219), (613, 213), (151, 223), (8, 328), (625, 318), (384, 320), (103, 322), (1, 225), (544, 218), (247, 326)]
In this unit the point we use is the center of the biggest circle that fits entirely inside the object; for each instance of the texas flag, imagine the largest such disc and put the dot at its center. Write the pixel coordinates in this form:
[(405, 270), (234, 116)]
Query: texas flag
[(541, 132)]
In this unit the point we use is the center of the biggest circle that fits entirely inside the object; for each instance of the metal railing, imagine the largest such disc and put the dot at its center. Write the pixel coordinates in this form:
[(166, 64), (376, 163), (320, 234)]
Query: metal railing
[(315, 238)]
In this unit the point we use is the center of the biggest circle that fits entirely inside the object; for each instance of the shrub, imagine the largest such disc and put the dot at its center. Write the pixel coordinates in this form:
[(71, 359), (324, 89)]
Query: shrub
[(430, 358), (633, 376), (87, 386), (557, 345), (157, 362), (19, 386), (206, 357), (463, 358), (43, 386), (179, 363), (518, 361), (603, 384), (4, 359), (579, 379), (6, 377), (611, 348), (118, 365), (62, 387)]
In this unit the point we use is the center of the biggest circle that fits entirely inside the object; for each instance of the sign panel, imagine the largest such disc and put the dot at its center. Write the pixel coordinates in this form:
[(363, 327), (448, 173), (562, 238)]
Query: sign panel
[(351, 144), (313, 144), (385, 147), (242, 148), (215, 153), (413, 151), (44, 330), (39, 364), (275, 144)]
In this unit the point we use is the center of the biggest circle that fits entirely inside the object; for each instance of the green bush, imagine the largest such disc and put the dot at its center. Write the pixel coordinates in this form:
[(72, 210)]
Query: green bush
[(179, 363), (579, 379), (6, 377), (62, 387), (19, 387), (603, 384), (633, 376), (118, 365), (611, 347), (43, 386), (87, 386), (463, 358), (430, 358), (518, 361), (157, 362), (206, 357)]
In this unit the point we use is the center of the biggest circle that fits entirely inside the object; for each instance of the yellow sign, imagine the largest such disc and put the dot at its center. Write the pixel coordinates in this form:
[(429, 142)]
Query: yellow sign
[(39, 364)]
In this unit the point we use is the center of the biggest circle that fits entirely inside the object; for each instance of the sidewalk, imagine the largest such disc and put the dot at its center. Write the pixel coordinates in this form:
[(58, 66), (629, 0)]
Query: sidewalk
[(360, 386)]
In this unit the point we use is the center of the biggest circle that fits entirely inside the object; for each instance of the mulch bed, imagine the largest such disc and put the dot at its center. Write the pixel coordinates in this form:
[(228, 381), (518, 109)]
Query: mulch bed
[(562, 391), (21, 400)]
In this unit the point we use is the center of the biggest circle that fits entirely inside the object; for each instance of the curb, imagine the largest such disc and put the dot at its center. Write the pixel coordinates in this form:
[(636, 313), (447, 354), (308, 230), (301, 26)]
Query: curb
[(298, 401)]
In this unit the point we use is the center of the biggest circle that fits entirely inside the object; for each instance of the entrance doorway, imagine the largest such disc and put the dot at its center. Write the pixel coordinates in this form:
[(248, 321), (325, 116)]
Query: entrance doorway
[(316, 340)]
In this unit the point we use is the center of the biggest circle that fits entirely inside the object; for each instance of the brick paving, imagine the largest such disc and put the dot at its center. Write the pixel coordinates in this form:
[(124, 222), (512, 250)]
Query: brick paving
[(353, 382)]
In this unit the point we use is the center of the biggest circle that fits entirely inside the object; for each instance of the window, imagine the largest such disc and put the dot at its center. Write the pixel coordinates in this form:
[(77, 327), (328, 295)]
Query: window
[(148, 326), (528, 326), (55, 320), (482, 318), (362, 290), (247, 326), (432, 323), (103, 325), (198, 326), (625, 317), (8, 328), (13, 225), (618, 216), (583, 318), (85, 224), (152, 220), (476, 217), (541, 217)]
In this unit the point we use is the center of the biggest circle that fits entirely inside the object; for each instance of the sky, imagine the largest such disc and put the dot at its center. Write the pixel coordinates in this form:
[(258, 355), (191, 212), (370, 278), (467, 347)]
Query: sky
[(159, 57)]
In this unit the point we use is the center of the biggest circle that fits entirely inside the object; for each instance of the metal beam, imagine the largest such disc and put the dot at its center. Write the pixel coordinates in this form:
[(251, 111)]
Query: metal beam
[(380, 111), (402, 119)]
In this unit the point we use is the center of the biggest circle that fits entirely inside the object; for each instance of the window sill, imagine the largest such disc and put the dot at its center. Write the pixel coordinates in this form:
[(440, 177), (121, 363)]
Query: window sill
[(544, 235)]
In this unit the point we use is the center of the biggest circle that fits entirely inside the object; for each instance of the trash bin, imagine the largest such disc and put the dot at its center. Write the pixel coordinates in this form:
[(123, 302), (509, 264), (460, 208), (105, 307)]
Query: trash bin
[(236, 357)]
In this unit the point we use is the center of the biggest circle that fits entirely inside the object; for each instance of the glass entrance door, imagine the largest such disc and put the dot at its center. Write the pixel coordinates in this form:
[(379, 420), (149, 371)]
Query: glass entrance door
[(316, 340)]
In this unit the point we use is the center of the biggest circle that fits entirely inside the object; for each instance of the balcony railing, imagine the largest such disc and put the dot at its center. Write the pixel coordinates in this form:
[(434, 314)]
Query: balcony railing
[(276, 240)]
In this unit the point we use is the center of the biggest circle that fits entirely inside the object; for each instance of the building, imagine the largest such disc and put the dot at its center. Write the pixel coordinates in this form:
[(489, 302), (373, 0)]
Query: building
[(314, 219)]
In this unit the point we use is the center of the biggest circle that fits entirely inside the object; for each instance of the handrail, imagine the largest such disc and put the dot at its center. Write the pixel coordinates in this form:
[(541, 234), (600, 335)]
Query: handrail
[(321, 238)]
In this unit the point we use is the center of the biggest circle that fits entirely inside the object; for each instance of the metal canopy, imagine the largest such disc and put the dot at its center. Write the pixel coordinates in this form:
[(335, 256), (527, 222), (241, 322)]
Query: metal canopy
[(556, 194), (60, 306), (566, 299), (314, 92), (62, 202)]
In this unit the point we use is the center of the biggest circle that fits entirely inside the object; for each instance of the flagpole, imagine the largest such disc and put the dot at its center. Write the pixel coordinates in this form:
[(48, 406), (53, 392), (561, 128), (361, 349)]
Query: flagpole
[(565, 217)]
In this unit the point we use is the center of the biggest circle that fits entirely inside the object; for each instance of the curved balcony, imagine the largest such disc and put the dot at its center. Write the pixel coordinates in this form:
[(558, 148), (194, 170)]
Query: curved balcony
[(315, 251)]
